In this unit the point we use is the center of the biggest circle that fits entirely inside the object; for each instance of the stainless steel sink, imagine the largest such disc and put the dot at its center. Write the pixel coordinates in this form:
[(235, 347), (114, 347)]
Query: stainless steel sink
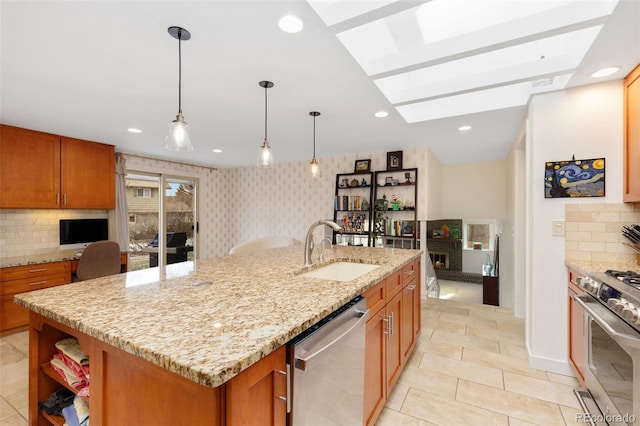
[(341, 271)]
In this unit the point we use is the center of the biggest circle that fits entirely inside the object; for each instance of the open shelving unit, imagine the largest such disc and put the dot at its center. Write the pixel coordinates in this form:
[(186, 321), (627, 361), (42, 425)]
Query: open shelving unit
[(396, 226), (375, 223), (352, 208)]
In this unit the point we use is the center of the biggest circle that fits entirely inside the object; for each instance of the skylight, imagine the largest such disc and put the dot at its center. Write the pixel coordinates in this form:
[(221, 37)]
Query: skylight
[(447, 58), (523, 61)]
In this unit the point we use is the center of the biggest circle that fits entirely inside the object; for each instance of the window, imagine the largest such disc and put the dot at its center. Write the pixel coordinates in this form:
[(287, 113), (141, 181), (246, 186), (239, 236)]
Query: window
[(144, 192), (478, 234), (132, 218)]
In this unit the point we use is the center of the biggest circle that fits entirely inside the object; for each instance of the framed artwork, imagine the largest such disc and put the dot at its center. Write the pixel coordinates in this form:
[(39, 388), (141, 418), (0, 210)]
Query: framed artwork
[(394, 160), (362, 165), (574, 178)]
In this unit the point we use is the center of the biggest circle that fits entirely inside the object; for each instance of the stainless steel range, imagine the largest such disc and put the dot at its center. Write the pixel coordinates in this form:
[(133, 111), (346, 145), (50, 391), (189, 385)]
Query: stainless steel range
[(612, 345)]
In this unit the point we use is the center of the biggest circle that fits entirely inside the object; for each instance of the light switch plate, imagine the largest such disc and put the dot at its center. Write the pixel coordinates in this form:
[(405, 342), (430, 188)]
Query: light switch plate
[(557, 228)]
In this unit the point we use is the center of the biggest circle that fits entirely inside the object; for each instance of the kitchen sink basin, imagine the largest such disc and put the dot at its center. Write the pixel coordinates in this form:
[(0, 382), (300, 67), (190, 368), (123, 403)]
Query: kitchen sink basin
[(341, 271)]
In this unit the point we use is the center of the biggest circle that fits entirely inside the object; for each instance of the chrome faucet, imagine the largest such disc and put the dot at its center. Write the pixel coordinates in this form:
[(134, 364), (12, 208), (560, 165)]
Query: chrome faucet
[(308, 241)]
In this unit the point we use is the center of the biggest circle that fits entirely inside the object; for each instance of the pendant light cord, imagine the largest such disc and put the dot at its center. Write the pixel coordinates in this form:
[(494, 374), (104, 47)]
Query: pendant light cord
[(265, 111), (180, 71), (314, 136)]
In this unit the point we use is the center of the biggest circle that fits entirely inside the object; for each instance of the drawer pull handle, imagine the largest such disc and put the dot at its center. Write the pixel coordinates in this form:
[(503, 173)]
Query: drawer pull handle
[(411, 287), (38, 283), (410, 272), (33, 271)]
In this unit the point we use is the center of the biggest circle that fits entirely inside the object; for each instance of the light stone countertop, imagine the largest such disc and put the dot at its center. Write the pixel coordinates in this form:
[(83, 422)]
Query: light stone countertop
[(586, 267), (36, 259), (210, 333)]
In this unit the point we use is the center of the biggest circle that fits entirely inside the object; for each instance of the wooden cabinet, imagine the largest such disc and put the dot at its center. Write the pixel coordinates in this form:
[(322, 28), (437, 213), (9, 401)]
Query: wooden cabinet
[(631, 177), (491, 290), (20, 279), (158, 396), (258, 395), (391, 332), (40, 170), (576, 329), (410, 309)]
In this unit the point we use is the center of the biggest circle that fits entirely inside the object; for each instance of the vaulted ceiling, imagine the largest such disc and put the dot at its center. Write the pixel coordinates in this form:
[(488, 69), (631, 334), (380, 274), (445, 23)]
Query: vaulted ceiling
[(93, 69)]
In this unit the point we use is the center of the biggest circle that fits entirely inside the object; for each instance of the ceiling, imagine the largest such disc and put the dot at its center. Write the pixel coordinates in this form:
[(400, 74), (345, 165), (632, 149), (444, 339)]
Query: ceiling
[(93, 69)]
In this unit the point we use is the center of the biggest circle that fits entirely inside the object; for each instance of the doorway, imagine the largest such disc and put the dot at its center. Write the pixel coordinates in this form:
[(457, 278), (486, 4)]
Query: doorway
[(159, 202)]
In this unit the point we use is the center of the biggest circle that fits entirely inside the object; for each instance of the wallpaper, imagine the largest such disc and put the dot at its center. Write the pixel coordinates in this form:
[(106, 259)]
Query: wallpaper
[(234, 205)]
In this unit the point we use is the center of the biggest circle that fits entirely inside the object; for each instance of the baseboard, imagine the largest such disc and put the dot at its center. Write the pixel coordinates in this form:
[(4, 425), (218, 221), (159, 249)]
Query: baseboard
[(550, 365)]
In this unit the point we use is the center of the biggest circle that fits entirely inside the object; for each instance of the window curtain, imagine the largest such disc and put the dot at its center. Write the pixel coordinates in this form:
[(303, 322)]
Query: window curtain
[(119, 217)]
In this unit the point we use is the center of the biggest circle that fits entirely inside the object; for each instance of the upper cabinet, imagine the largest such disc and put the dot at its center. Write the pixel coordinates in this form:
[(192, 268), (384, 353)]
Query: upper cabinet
[(631, 181), (40, 170)]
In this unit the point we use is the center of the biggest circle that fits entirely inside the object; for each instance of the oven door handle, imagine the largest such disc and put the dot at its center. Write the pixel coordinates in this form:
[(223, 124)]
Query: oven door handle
[(624, 339)]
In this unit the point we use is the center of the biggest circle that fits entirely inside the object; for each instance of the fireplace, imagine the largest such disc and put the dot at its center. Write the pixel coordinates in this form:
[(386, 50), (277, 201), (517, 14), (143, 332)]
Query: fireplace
[(439, 259)]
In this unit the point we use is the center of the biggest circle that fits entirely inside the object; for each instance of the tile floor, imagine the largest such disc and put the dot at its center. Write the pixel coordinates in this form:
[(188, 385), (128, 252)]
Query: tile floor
[(469, 368)]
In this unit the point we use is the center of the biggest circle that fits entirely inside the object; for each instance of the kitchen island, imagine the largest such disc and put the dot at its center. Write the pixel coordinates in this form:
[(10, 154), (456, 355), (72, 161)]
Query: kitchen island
[(185, 343)]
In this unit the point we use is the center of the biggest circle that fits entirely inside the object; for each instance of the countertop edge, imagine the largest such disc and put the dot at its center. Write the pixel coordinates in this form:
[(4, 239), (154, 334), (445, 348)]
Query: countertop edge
[(227, 371)]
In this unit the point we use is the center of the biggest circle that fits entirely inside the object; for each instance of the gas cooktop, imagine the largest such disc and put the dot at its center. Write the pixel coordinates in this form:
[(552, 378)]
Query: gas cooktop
[(628, 277)]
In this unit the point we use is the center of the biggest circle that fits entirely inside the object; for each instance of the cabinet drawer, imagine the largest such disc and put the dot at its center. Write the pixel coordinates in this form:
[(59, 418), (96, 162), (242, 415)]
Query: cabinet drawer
[(410, 272), (375, 298), (393, 284), (35, 283), (37, 270)]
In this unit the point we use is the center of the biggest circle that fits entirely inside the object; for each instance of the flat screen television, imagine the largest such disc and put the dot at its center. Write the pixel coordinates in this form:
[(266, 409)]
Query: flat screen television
[(75, 234)]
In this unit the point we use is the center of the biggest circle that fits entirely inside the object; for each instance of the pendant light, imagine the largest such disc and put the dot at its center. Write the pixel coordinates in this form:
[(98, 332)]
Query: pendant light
[(178, 137), (265, 156), (314, 166)]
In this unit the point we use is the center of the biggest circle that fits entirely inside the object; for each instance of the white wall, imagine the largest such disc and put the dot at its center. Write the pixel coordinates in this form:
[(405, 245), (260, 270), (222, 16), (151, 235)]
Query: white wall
[(585, 122), (433, 188), (476, 190)]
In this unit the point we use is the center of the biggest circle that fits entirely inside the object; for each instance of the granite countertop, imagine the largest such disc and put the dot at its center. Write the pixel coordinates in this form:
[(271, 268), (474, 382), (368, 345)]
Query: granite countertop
[(53, 256), (586, 267), (209, 333)]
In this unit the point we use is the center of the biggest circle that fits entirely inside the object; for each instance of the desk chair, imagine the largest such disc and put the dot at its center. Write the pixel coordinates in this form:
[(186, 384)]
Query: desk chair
[(99, 259)]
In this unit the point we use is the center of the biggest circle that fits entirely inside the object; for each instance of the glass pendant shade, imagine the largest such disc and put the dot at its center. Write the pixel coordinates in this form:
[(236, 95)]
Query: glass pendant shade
[(178, 138), (265, 155), (315, 168)]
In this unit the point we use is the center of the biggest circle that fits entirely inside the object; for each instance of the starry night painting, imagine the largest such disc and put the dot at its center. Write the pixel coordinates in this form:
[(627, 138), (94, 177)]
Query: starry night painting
[(575, 178)]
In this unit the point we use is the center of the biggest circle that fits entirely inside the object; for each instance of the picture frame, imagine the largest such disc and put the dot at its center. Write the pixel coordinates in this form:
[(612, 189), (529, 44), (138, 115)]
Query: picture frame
[(394, 160), (362, 165), (388, 180), (575, 178)]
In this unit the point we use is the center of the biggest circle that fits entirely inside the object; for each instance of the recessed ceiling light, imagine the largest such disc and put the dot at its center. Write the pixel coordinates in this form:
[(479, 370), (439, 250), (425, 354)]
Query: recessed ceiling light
[(381, 114), (290, 24), (134, 130), (605, 72), (217, 151), (464, 128)]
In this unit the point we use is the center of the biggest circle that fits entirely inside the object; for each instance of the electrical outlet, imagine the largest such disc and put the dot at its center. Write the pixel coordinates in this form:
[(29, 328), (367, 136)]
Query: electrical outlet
[(557, 228)]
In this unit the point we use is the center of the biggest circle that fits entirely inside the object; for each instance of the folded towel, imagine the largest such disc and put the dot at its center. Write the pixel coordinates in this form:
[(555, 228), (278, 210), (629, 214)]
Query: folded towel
[(71, 348)]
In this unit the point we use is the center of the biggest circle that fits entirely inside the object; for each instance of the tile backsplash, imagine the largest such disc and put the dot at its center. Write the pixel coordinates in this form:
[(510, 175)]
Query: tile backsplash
[(34, 231), (593, 231)]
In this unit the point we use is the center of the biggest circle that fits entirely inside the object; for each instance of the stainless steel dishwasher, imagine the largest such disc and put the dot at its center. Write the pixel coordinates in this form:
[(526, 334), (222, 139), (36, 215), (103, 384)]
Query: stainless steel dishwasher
[(326, 364)]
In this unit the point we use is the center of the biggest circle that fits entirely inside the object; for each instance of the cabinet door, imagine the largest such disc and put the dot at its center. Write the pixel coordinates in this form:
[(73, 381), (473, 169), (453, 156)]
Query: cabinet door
[(87, 175), (407, 332), (576, 336), (375, 393), (394, 354), (253, 397), (631, 189), (29, 168)]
